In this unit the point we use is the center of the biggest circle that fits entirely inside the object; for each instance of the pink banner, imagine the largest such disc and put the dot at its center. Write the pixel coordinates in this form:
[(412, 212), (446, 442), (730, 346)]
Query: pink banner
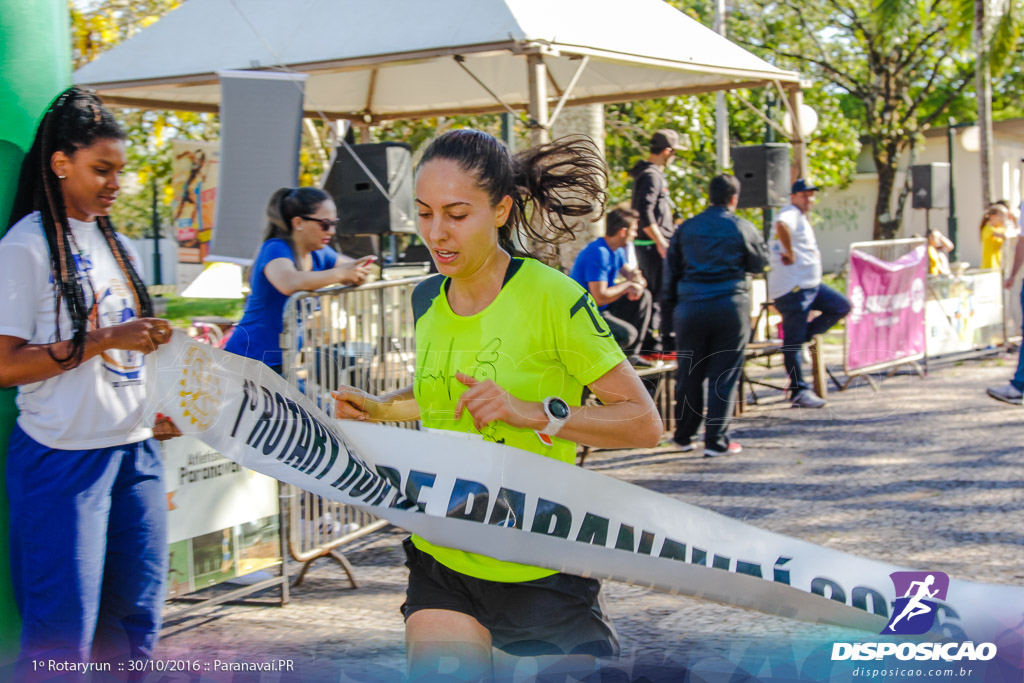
[(886, 321)]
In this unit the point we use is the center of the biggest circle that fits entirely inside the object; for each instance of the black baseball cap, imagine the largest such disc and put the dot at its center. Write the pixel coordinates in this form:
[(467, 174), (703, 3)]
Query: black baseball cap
[(802, 185), (665, 138)]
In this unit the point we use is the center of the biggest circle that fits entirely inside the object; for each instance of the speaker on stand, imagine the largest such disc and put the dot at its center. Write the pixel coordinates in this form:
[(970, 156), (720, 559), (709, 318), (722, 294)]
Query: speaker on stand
[(930, 187), (372, 186), (763, 172)]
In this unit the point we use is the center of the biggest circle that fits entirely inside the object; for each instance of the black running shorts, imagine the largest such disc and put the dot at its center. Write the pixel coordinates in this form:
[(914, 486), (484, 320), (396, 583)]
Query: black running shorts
[(558, 614)]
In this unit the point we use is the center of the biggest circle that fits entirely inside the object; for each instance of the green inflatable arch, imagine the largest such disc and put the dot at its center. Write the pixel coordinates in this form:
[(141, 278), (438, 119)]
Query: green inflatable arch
[(35, 60)]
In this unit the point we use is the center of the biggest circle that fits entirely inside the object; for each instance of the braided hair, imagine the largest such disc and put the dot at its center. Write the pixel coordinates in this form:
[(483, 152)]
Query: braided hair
[(552, 186), (75, 120)]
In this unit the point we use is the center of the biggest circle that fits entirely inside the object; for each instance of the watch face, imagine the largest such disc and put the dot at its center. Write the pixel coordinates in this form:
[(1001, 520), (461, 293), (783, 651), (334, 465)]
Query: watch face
[(558, 408)]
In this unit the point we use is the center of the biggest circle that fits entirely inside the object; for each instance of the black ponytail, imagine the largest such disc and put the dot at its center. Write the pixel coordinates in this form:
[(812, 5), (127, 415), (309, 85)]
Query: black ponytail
[(75, 120), (552, 186)]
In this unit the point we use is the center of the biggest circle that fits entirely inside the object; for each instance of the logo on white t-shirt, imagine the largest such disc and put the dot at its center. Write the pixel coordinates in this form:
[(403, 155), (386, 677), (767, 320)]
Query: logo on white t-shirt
[(114, 305)]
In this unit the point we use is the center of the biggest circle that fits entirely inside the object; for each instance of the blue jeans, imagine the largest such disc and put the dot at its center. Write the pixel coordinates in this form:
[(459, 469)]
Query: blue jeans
[(88, 550), (796, 331), (1018, 377)]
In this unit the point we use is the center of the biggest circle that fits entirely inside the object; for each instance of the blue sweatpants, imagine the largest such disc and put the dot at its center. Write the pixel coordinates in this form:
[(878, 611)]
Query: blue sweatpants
[(88, 550), (1018, 376)]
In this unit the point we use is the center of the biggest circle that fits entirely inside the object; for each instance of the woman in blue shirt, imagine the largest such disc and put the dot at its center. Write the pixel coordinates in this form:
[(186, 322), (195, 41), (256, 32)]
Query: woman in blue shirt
[(295, 257)]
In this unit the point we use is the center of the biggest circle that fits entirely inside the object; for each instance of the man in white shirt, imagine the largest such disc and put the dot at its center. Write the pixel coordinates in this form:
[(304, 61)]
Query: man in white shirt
[(794, 282)]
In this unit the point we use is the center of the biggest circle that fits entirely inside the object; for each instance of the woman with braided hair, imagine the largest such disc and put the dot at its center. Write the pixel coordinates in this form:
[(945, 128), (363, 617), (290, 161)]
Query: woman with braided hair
[(505, 346), (87, 503)]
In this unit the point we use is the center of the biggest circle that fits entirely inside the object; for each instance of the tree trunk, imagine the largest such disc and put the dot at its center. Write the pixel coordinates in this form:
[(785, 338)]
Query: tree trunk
[(886, 158), (983, 88)]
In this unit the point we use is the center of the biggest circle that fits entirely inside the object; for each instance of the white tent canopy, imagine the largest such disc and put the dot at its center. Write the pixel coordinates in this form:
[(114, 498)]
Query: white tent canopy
[(386, 59)]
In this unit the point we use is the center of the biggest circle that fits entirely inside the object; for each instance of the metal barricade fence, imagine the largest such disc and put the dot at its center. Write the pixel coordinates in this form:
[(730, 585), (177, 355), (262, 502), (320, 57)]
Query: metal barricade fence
[(889, 250), (885, 250), (361, 336)]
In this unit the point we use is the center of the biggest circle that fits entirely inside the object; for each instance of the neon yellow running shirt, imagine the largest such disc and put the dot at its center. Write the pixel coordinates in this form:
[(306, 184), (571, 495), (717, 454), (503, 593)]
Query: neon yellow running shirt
[(541, 336)]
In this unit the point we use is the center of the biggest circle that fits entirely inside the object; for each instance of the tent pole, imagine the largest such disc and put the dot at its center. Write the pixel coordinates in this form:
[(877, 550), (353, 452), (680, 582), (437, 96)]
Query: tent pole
[(800, 168), (537, 76), (568, 90), (35, 57), (721, 108)]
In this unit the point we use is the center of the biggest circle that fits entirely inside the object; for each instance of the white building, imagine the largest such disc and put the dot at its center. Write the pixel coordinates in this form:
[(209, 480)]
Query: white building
[(845, 216)]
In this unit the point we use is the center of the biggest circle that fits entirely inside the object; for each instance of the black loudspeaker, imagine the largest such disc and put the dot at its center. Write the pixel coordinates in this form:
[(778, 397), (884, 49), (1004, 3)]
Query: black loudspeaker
[(362, 208), (763, 172), (930, 183)]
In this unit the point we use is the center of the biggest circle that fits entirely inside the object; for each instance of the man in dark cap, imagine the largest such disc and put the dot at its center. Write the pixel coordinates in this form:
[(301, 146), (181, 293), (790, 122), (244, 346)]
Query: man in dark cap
[(794, 282), (651, 200)]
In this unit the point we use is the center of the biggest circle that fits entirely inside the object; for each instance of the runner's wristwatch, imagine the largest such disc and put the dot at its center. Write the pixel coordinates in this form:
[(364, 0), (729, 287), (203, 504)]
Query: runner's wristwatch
[(557, 411)]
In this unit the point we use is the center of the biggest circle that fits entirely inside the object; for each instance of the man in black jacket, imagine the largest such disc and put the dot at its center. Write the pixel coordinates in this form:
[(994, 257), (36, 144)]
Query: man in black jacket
[(651, 200), (706, 282)]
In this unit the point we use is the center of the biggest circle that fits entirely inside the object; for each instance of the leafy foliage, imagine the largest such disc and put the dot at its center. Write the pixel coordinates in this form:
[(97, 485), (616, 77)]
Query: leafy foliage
[(902, 66), (98, 26)]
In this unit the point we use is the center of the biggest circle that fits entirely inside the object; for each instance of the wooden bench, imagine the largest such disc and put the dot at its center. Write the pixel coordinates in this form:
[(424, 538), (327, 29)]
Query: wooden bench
[(767, 349), (663, 375)]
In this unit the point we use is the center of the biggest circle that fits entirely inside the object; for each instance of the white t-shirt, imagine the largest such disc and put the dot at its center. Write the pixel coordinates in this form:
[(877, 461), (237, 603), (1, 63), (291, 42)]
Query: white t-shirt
[(101, 402), (805, 271)]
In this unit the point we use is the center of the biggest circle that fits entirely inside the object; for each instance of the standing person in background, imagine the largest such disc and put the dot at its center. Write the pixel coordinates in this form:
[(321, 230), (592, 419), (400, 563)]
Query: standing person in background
[(794, 282), (88, 509), (504, 348), (996, 226), (651, 200), (939, 247), (706, 271), (294, 257), (626, 305), (1014, 391)]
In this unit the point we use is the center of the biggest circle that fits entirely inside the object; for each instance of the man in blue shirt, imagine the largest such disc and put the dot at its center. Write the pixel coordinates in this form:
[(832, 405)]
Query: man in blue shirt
[(625, 306)]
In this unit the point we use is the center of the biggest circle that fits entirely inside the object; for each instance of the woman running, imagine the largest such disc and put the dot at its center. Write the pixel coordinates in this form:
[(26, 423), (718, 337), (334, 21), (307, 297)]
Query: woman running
[(505, 347)]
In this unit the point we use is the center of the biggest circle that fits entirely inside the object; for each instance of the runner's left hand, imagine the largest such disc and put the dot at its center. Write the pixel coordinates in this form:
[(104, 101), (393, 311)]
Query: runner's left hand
[(164, 428), (488, 402)]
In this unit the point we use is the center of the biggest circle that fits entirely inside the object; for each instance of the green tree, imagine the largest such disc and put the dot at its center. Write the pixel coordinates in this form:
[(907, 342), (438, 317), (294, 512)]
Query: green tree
[(95, 28), (995, 33), (903, 63), (98, 26), (833, 147)]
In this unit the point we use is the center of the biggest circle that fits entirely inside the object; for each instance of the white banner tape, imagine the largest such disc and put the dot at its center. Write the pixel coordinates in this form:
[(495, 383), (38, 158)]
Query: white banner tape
[(514, 505)]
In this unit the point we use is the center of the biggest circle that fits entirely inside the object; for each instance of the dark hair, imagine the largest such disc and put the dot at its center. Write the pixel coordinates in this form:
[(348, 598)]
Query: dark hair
[(722, 189), (618, 219), (74, 121), (555, 182), (287, 203)]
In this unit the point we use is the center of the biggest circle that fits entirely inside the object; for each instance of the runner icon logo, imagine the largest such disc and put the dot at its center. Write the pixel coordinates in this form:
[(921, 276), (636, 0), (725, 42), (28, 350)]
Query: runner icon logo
[(914, 613)]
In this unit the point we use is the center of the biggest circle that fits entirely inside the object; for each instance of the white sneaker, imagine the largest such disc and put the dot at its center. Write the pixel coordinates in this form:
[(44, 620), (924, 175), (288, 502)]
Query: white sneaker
[(805, 354), (808, 399), (1007, 394), (684, 447), (732, 449)]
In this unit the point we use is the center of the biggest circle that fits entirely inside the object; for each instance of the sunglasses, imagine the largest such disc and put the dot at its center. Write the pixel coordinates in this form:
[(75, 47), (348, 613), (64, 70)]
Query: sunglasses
[(325, 223)]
